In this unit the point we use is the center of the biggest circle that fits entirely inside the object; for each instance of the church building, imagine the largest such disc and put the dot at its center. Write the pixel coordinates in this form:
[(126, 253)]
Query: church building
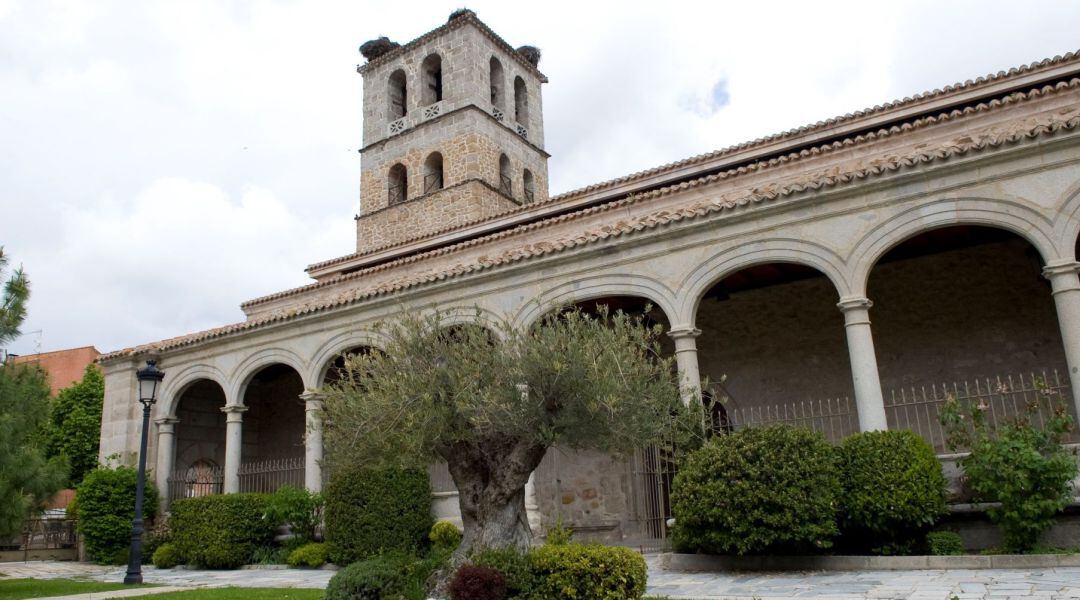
[(847, 275)]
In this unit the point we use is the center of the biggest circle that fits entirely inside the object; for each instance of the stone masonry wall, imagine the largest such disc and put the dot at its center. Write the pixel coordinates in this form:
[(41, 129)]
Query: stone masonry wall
[(452, 206)]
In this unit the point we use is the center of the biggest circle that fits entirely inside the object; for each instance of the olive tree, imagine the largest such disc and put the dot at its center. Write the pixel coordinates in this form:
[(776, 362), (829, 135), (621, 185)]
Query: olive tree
[(492, 401)]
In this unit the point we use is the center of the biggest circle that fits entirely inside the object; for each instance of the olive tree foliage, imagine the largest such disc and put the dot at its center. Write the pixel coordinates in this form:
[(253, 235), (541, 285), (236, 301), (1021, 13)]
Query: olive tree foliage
[(491, 402)]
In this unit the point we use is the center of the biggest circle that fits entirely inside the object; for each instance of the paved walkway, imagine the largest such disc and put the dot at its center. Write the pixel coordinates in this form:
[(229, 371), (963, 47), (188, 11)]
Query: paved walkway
[(985, 584)]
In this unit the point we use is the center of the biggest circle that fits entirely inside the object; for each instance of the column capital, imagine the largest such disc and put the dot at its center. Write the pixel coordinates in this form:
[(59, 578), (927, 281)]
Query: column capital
[(165, 424), (1057, 268), (310, 395), (234, 413), (686, 331), (850, 303)]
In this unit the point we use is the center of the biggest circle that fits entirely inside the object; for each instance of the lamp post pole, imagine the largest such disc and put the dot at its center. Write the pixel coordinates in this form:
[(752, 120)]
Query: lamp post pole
[(149, 378)]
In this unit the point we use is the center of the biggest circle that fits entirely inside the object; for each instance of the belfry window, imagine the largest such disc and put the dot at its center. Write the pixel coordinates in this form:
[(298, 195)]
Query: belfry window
[(433, 173), (495, 76), (527, 181), (398, 184), (396, 94), (521, 101), (506, 180), (431, 71)]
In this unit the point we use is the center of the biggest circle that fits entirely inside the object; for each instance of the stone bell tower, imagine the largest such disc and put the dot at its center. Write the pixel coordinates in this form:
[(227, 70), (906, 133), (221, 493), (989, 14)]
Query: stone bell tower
[(453, 132)]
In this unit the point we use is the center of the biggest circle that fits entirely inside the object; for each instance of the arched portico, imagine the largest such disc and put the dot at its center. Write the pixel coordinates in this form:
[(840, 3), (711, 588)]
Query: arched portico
[(192, 433)]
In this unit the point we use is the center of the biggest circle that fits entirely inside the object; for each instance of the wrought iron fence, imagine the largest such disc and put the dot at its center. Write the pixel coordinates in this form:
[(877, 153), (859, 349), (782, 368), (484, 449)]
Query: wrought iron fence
[(43, 534), (201, 479), (652, 470), (1003, 398), (836, 418), (506, 185), (432, 182), (268, 475)]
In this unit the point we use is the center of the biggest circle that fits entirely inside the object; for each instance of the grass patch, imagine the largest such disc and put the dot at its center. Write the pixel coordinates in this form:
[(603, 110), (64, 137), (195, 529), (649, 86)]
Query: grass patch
[(17, 589), (235, 593)]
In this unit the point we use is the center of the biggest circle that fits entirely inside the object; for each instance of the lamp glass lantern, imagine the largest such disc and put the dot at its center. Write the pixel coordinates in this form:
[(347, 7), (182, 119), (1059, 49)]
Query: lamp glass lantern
[(149, 377)]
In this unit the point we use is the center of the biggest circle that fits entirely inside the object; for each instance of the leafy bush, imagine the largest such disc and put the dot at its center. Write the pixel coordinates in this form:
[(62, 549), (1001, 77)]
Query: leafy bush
[(166, 557), (74, 425), (515, 568), (445, 536), (221, 531), (944, 543), (588, 571), (373, 511), (893, 490), (309, 555), (106, 507), (477, 583), (757, 489), (298, 508), (558, 535), (397, 576), (1022, 466)]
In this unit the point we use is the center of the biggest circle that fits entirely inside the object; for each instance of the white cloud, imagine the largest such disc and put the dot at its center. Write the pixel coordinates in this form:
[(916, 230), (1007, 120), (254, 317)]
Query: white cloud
[(161, 162)]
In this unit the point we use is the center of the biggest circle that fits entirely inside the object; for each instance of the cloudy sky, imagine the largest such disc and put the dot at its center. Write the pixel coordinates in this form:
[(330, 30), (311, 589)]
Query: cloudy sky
[(161, 162)]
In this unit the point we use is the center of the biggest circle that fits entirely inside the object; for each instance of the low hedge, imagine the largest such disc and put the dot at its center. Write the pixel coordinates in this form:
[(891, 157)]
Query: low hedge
[(311, 555), (515, 568), (394, 576), (445, 536), (588, 571), (893, 490), (166, 556), (944, 543), (770, 489), (106, 508), (220, 531), (370, 512)]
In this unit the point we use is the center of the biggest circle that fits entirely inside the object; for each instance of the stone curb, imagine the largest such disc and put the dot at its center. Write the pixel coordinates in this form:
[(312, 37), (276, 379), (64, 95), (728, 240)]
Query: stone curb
[(118, 593), (708, 562)]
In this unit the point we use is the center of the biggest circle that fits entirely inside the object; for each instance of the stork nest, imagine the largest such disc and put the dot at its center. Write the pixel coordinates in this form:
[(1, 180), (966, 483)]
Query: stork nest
[(375, 48), (531, 54), (461, 12)]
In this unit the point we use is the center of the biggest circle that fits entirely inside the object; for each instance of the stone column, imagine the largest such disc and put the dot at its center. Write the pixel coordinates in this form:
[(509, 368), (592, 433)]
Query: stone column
[(313, 441), (1065, 286), (166, 457), (234, 440), (864, 369), (686, 358), (532, 505)]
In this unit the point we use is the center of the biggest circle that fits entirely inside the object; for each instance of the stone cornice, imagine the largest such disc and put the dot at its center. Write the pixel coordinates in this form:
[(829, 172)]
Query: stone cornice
[(469, 17), (1021, 130)]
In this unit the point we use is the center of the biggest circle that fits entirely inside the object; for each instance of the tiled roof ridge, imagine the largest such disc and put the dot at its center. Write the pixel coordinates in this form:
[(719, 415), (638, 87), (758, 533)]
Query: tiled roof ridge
[(459, 21), (742, 146), (753, 167), (889, 165)]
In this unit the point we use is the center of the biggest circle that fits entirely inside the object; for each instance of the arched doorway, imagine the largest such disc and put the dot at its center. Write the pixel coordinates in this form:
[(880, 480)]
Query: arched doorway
[(773, 348), (964, 311), (272, 454), (200, 442)]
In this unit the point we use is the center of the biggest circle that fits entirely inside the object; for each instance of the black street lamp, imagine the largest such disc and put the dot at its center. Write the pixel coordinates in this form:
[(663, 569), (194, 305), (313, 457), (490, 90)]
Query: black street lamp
[(149, 377)]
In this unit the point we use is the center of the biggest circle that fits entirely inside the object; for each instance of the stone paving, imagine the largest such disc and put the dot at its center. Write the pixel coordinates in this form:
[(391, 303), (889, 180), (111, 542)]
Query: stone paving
[(981, 584)]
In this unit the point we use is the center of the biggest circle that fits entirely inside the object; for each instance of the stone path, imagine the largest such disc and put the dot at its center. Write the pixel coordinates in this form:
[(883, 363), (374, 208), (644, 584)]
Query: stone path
[(982, 584)]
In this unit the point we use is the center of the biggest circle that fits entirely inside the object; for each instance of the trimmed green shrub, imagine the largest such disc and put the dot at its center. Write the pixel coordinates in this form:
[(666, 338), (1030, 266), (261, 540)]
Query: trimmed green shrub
[(311, 555), (756, 490), (558, 535), (106, 507), (166, 557), (515, 568), (893, 490), (375, 511), (220, 531), (588, 571), (298, 508), (371, 579), (477, 583), (445, 536), (944, 543)]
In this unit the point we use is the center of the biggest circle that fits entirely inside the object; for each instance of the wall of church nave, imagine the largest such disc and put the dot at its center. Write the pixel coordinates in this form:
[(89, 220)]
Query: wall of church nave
[(778, 344), (973, 312), (586, 491)]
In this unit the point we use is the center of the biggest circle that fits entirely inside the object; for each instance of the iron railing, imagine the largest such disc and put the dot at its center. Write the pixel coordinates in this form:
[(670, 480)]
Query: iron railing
[(506, 185), (652, 470), (432, 182), (198, 480), (835, 418), (1003, 398), (267, 476), (396, 194), (43, 534)]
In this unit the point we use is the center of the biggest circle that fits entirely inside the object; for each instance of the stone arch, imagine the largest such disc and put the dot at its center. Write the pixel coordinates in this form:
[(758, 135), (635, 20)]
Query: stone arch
[(397, 184), (731, 260), (506, 176), (498, 83), (175, 385), (473, 315), (343, 342), (589, 288), (1009, 215), (397, 95), (250, 366), (1067, 224), (433, 173), (431, 73), (521, 101)]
